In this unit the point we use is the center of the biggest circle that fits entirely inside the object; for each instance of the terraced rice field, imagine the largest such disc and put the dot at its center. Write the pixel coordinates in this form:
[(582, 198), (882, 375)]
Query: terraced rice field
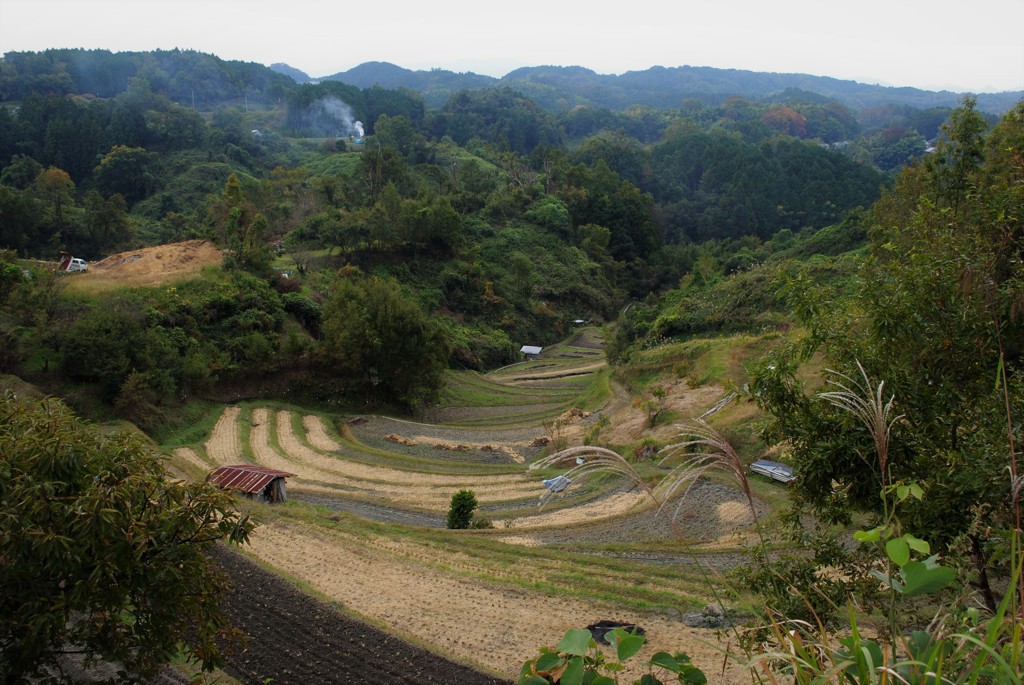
[(484, 597)]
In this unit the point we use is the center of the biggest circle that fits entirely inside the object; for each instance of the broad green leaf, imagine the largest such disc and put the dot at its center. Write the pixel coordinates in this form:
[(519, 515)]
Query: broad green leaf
[(916, 492), (689, 673), (629, 646), (573, 673), (576, 642), (694, 675), (873, 535), (898, 551), (920, 577), (534, 680), (613, 636), (648, 679), (888, 580), (666, 661), (526, 670), (918, 645), (602, 680), (902, 491), (917, 544), (548, 661)]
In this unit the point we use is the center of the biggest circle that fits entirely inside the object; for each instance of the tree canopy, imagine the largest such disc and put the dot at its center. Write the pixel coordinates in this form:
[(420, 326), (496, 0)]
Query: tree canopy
[(382, 341), (100, 552), (936, 317)]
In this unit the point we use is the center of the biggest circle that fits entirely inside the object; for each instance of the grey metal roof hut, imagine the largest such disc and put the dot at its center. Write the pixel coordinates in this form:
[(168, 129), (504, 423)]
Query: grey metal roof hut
[(531, 351)]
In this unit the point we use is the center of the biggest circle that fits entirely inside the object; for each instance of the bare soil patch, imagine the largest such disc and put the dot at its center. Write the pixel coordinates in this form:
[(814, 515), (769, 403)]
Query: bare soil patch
[(606, 507), (629, 424), (712, 513), (335, 461), (373, 431), (316, 433), (333, 475), (150, 266)]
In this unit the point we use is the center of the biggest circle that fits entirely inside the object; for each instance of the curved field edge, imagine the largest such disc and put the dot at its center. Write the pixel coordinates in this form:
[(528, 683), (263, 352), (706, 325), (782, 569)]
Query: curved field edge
[(467, 595)]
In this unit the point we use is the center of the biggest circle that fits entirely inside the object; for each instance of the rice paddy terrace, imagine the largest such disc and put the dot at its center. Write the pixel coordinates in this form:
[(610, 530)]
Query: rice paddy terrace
[(363, 524)]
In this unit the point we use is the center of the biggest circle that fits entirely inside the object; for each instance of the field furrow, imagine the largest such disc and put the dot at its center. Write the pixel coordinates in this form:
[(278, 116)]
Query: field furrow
[(190, 456), (317, 435), (225, 444), (606, 507), (466, 617), (294, 447), (316, 472)]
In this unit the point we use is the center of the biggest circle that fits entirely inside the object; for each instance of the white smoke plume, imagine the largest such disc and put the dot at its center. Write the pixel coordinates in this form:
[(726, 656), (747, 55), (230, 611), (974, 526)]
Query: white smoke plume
[(333, 117)]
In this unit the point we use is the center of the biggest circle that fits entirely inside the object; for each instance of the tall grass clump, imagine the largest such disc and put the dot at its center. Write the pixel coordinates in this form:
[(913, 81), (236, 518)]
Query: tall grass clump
[(961, 643)]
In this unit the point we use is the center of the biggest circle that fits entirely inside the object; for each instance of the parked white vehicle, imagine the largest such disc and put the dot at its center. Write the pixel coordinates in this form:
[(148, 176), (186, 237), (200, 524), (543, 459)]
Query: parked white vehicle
[(69, 263)]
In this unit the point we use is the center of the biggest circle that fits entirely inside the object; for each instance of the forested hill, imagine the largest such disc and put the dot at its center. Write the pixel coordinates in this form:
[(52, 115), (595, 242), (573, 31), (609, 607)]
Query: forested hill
[(563, 87), (186, 77), (495, 218), (206, 81)]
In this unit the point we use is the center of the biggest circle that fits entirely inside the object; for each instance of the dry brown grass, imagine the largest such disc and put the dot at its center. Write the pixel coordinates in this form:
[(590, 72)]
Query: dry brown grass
[(148, 266)]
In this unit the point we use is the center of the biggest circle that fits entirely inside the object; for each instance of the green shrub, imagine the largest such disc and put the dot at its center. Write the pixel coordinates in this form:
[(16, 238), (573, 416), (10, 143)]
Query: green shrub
[(460, 513)]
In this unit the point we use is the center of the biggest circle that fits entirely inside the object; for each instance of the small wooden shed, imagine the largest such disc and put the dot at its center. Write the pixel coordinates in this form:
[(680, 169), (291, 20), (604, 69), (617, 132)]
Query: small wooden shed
[(257, 483)]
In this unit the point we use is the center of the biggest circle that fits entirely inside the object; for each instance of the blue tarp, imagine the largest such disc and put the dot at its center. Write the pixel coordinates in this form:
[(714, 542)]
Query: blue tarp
[(557, 484)]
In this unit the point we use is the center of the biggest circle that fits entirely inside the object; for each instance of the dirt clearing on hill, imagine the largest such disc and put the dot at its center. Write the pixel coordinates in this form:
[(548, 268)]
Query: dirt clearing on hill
[(149, 266)]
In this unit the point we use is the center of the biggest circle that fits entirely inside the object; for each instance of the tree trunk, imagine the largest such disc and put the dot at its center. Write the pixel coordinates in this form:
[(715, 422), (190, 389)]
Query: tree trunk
[(978, 555)]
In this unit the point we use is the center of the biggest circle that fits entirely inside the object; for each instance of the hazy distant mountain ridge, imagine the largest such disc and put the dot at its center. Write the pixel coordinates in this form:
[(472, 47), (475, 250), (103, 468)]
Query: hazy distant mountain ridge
[(206, 81), (557, 87), (291, 72), (435, 85)]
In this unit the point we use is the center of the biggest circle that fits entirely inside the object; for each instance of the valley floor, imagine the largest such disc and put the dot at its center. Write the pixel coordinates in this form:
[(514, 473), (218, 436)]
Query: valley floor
[(488, 598)]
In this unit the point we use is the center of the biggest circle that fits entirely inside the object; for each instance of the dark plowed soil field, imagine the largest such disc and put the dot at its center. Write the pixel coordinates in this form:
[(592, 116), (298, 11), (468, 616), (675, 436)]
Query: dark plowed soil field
[(295, 638)]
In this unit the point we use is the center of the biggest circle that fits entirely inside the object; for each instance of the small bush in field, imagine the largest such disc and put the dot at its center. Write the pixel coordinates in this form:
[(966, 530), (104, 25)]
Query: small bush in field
[(460, 513)]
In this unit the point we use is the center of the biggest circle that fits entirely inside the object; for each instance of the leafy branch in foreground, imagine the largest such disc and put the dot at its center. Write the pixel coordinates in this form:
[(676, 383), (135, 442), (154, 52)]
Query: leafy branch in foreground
[(100, 550), (980, 651), (577, 660)]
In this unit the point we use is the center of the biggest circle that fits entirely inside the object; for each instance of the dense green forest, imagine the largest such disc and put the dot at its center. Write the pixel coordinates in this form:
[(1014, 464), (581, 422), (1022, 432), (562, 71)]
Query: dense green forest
[(494, 220), (374, 238)]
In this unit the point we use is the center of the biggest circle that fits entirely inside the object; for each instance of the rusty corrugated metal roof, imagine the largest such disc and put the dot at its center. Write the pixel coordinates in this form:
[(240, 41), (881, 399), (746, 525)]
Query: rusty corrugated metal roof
[(245, 477)]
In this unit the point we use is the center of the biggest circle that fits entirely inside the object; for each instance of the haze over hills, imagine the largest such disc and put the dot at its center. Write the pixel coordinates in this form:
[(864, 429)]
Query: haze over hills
[(556, 87), (205, 81)]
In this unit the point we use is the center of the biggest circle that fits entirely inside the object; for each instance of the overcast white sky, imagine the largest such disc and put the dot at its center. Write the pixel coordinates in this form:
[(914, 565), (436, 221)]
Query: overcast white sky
[(961, 45)]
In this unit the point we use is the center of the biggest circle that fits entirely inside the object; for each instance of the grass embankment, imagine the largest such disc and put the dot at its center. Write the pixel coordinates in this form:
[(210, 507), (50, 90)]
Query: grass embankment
[(555, 572), (355, 462), (527, 393)]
